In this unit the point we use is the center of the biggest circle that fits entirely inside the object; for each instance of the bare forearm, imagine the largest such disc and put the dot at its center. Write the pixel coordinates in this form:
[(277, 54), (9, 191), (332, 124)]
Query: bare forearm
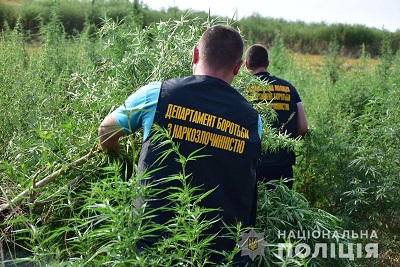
[(108, 143), (109, 135), (302, 125)]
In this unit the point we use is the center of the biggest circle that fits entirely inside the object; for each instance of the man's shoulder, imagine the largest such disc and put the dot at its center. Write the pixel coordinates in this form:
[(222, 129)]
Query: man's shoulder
[(266, 76), (176, 82), (279, 81), (183, 82)]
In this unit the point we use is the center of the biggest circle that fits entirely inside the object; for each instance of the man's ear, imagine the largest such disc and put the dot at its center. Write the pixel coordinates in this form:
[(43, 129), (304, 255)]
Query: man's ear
[(247, 65), (195, 54), (237, 67)]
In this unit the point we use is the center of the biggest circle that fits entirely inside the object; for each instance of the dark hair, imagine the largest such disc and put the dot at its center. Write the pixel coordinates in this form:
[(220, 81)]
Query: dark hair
[(221, 46), (257, 56)]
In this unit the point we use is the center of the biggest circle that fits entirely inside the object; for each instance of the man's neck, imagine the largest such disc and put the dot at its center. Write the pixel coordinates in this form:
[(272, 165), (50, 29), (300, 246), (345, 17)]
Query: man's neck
[(220, 74), (258, 70)]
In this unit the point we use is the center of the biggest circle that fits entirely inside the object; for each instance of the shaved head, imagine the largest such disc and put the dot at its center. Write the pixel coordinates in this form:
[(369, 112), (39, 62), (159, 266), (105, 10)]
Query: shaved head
[(257, 57), (221, 47)]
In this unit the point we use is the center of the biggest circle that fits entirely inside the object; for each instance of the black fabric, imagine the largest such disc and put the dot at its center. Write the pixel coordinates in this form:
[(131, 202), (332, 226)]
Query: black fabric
[(197, 111), (284, 97), (269, 173)]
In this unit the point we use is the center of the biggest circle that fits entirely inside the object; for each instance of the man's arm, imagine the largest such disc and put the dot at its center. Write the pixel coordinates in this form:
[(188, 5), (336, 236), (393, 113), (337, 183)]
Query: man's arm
[(109, 134), (137, 111), (302, 125)]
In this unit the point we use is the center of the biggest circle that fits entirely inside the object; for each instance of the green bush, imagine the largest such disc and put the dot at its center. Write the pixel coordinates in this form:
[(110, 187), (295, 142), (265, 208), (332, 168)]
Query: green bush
[(350, 166), (315, 38), (55, 94), (300, 37)]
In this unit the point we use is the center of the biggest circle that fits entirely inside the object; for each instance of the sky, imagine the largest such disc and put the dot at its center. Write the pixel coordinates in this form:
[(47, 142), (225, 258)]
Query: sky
[(381, 14)]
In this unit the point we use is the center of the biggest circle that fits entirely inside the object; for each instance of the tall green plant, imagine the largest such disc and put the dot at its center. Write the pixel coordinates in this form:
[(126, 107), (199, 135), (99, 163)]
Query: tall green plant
[(103, 223), (351, 152), (280, 60), (63, 89), (287, 220)]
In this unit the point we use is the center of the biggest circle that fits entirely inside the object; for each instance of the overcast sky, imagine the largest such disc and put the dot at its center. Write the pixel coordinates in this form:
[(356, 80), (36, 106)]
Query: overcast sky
[(381, 14)]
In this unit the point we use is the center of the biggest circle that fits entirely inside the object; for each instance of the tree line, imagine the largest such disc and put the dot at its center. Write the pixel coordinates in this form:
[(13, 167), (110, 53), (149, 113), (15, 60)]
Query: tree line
[(300, 37)]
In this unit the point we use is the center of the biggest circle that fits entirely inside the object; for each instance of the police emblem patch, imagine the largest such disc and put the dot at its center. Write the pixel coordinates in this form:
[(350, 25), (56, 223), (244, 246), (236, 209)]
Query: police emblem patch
[(252, 244)]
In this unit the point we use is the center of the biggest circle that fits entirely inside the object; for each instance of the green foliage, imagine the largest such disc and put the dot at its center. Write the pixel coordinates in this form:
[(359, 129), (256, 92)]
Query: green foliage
[(157, 52), (285, 217), (8, 16), (299, 36), (55, 93), (350, 166), (315, 38), (271, 138), (279, 57)]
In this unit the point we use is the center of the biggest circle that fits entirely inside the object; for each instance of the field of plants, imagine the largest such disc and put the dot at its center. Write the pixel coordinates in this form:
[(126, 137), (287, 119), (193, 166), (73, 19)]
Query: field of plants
[(64, 203)]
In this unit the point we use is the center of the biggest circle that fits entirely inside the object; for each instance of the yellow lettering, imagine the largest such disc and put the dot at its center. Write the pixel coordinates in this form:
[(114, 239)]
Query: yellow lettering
[(177, 131), (206, 138), (264, 96), (178, 112), (282, 97), (280, 106), (211, 122), (169, 128), (282, 88), (188, 112), (169, 110)]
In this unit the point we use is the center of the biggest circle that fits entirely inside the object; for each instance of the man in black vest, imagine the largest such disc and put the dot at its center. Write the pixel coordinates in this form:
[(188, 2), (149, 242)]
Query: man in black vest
[(204, 112), (285, 100)]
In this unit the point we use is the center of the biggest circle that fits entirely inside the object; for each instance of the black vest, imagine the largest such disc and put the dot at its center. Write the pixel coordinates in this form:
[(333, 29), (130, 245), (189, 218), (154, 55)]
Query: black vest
[(202, 112), (284, 99)]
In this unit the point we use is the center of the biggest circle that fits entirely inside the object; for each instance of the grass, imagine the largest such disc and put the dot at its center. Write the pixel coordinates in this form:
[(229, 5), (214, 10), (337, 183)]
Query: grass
[(316, 62), (55, 95), (12, 1)]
